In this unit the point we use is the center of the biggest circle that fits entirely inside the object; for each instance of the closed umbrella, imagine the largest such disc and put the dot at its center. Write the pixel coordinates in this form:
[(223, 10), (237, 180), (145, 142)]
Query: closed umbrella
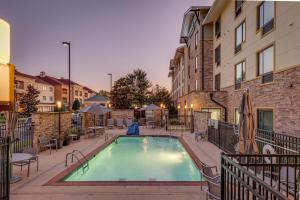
[(247, 132)]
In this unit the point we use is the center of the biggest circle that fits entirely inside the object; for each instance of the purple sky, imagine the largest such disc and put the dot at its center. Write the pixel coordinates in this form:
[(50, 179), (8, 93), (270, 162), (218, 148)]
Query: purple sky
[(108, 36)]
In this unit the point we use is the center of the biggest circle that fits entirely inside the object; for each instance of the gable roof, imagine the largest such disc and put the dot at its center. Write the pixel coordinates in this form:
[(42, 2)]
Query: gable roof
[(36, 79), (97, 97), (66, 81), (89, 89)]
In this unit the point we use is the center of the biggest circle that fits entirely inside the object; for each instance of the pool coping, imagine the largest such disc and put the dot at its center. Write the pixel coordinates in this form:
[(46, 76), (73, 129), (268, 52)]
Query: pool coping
[(57, 180)]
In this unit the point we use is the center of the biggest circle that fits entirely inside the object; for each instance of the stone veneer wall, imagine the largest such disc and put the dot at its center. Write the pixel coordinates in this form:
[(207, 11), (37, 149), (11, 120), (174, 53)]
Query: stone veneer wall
[(122, 114), (201, 121), (47, 123), (282, 95)]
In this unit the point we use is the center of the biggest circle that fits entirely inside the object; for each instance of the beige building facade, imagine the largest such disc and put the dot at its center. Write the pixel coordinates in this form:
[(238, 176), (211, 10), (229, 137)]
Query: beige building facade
[(256, 48)]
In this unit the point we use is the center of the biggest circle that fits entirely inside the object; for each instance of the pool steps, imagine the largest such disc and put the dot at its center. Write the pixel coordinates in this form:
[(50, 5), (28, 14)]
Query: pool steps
[(75, 153)]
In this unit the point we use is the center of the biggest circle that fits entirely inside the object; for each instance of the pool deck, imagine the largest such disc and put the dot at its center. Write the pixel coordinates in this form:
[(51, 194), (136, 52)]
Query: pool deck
[(34, 187)]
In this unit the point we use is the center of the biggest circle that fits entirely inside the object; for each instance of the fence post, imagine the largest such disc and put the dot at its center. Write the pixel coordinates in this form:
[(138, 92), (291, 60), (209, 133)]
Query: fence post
[(222, 177), (192, 123)]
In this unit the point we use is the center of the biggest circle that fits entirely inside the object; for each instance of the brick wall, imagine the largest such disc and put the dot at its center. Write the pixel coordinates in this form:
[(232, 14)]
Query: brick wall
[(47, 123), (208, 65), (282, 95)]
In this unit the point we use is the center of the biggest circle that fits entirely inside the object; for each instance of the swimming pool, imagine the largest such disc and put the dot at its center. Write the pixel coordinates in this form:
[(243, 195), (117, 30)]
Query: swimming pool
[(138, 159)]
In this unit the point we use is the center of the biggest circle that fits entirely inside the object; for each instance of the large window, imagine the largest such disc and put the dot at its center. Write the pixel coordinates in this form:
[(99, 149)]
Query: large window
[(196, 63), (266, 64), (265, 16), (218, 28), (196, 40), (218, 55), (196, 84), (240, 36), (218, 82), (238, 7), (240, 70), (215, 112), (265, 119)]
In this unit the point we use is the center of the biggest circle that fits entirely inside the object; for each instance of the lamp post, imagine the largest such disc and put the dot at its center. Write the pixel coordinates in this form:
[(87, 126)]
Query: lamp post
[(58, 104), (110, 75), (68, 44)]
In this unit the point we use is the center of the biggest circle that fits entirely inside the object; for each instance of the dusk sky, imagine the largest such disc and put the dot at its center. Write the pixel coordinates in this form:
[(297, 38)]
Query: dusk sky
[(107, 36)]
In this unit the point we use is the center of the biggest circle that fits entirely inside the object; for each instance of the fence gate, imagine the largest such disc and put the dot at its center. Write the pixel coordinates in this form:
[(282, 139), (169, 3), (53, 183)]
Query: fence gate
[(4, 168)]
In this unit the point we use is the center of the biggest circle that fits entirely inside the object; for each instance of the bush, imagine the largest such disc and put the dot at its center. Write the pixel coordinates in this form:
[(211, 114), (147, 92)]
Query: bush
[(174, 122)]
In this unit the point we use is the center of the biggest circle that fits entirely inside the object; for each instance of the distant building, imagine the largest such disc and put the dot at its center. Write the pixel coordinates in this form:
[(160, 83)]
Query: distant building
[(76, 91), (98, 99), (88, 92)]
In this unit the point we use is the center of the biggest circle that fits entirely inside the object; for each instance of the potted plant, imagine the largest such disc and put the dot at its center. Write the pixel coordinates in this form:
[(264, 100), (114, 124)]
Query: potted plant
[(67, 139)]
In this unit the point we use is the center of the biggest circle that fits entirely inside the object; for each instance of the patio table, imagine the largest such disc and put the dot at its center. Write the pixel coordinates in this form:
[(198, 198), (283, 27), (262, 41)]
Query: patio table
[(17, 158)]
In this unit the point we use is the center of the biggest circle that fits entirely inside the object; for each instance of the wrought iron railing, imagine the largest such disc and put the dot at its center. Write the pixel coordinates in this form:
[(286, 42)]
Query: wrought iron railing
[(225, 136), (260, 176), (22, 138), (4, 168), (181, 123)]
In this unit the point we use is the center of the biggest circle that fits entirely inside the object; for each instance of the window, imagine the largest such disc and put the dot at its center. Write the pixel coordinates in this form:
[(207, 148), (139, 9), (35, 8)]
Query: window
[(218, 28), (189, 51), (86, 95), (265, 16), (76, 92), (51, 98), (218, 55), (64, 91), (266, 64), (265, 119), (64, 100), (44, 98), (196, 63), (218, 82), (189, 71), (240, 36), (236, 116), (240, 70), (215, 112), (196, 40), (196, 84), (80, 93), (19, 85), (238, 7)]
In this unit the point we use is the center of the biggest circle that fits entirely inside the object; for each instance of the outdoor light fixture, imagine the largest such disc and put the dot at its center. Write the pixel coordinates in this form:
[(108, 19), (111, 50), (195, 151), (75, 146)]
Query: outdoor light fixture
[(58, 104), (7, 70), (185, 107), (178, 106), (192, 105)]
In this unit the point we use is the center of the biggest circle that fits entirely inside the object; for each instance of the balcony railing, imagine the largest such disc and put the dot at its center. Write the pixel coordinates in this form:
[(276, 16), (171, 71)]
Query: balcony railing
[(260, 176)]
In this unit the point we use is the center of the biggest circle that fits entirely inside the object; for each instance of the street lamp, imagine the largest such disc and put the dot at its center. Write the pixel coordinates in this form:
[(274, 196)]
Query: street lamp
[(110, 74), (68, 44), (58, 105)]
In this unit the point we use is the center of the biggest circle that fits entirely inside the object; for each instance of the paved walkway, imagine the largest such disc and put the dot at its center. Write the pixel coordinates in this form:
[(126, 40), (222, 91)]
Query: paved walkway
[(32, 188)]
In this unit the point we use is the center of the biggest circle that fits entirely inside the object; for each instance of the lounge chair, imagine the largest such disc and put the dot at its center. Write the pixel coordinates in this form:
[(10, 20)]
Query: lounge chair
[(120, 123), (110, 123), (44, 142), (210, 173), (213, 190), (129, 122)]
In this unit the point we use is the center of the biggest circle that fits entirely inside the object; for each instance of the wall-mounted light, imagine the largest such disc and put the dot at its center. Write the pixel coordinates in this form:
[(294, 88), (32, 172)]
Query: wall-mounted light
[(178, 106), (192, 105), (58, 104), (185, 107)]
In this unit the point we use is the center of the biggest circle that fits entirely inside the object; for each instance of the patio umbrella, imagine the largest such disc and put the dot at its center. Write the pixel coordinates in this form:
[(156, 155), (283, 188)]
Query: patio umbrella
[(95, 109), (150, 107), (247, 132)]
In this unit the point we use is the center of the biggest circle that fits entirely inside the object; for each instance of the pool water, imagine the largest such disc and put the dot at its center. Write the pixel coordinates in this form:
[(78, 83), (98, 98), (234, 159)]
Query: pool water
[(140, 159)]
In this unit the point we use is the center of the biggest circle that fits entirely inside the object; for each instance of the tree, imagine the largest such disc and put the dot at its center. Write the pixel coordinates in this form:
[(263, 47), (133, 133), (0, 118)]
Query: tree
[(104, 93), (139, 85), (120, 97), (30, 100), (76, 105), (160, 95)]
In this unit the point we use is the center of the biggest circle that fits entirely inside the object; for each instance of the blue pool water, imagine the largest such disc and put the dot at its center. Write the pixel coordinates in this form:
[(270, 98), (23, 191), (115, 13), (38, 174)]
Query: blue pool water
[(140, 159)]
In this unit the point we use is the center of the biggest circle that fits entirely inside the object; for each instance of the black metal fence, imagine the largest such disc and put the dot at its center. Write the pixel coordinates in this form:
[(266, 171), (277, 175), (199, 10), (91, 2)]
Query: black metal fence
[(181, 123), (77, 122), (23, 136), (260, 176), (4, 168), (225, 136)]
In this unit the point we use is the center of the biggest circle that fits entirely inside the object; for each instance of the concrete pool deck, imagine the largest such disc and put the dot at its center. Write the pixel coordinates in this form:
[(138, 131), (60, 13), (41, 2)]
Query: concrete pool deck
[(33, 187)]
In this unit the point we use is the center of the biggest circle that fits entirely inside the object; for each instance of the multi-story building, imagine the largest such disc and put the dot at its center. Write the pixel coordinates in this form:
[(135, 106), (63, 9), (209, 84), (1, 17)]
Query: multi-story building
[(191, 68), (61, 89), (256, 48), (77, 91), (88, 92), (46, 96)]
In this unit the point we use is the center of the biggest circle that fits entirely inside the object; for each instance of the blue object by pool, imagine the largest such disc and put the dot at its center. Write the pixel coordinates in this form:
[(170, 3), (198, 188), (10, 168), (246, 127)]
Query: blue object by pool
[(146, 158), (133, 129)]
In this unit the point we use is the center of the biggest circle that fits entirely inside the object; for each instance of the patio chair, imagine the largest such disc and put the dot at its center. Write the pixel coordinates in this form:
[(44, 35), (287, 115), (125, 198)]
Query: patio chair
[(210, 173), (110, 123), (35, 158), (128, 122), (44, 142), (120, 123), (213, 190)]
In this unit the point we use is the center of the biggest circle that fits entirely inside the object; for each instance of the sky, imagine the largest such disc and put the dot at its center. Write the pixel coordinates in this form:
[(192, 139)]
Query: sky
[(107, 36)]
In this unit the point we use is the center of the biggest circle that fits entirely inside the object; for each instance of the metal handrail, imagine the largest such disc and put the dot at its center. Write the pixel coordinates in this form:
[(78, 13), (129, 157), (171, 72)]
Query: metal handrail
[(73, 154)]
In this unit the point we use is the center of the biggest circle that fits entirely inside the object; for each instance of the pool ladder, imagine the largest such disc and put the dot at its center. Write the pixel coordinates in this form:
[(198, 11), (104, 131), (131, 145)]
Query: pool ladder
[(84, 165)]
